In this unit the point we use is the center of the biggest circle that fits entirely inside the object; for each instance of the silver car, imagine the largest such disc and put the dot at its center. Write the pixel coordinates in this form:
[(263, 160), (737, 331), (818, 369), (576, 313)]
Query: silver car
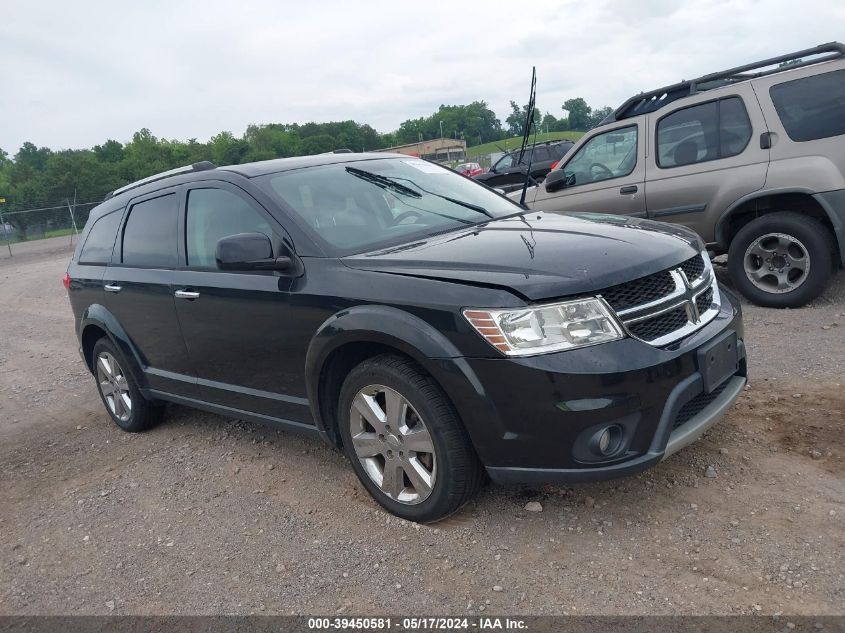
[(752, 158)]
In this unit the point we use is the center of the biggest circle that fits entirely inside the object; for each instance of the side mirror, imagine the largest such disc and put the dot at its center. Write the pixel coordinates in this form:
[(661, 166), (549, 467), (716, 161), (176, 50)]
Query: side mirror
[(248, 251), (556, 180)]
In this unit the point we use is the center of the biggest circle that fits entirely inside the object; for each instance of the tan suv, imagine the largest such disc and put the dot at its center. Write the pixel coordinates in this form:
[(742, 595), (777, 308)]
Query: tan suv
[(752, 158)]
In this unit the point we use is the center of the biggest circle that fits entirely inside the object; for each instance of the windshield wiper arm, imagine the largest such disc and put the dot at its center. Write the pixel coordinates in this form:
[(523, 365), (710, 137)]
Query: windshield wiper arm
[(388, 181), (383, 181)]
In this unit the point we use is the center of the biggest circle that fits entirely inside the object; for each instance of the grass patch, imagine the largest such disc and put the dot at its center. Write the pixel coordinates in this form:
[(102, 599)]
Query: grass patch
[(516, 141)]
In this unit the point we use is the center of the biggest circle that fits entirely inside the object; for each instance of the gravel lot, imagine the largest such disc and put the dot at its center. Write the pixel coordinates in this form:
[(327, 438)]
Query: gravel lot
[(208, 515)]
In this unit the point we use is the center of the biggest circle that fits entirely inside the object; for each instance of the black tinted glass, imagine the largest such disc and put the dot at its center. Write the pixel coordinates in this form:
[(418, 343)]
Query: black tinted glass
[(734, 127), (100, 242), (214, 214), (541, 154), (813, 107), (689, 136), (149, 238)]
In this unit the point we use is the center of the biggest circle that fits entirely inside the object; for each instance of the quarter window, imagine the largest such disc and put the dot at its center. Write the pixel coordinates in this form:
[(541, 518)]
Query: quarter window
[(214, 214), (708, 131), (149, 238), (813, 107), (612, 154), (100, 241)]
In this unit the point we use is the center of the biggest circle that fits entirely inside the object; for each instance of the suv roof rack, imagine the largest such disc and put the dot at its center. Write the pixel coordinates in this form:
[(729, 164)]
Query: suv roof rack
[(655, 99), (203, 165)]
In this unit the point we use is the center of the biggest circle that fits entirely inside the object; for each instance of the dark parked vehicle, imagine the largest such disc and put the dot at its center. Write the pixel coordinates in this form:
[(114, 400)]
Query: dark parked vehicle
[(508, 173), (427, 326)]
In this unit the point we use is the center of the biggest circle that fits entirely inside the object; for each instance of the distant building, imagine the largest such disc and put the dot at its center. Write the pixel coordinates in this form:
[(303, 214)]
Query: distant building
[(441, 150)]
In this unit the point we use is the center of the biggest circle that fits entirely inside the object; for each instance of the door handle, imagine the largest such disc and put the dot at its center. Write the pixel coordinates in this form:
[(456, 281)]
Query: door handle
[(186, 294), (112, 288), (628, 189)]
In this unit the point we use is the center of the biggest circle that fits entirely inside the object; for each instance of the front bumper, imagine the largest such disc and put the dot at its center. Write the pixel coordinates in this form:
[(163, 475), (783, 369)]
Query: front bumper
[(535, 413)]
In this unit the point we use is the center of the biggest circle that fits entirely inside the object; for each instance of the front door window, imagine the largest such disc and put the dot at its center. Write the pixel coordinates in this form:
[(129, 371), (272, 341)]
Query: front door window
[(612, 154)]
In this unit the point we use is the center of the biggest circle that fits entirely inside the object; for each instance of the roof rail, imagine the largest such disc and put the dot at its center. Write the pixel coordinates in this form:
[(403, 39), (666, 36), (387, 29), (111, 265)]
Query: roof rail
[(203, 165), (656, 99)]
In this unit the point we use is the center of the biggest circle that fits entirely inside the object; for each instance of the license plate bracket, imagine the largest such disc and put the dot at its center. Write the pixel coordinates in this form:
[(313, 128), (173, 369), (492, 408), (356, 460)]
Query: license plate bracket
[(718, 360)]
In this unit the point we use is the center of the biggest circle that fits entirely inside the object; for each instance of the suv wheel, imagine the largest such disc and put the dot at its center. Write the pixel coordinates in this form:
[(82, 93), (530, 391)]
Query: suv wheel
[(405, 440), (781, 260), (119, 391)]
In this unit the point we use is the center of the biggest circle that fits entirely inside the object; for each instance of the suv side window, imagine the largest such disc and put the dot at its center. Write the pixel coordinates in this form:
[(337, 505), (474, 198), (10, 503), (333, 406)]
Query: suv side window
[(813, 107), (100, 241), (612, 154), (504, 163), (214, 214), (540, 154), (707, 131), (149, 237)]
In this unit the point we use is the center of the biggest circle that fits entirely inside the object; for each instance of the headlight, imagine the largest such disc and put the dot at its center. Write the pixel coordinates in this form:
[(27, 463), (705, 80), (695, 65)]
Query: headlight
[(547, 328)]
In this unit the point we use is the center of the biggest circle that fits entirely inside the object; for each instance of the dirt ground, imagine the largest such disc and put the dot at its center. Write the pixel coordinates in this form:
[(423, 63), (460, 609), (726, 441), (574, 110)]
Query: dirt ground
[(208, 515)]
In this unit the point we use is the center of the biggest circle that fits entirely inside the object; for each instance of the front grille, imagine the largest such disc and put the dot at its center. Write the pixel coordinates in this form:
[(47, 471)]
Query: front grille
[(661, 325), (664, 307), (703, 301), (693, 267), (697, 404), (639, 291)]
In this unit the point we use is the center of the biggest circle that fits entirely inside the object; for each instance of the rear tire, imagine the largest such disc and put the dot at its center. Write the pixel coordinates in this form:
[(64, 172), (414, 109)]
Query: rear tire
[(119, 391), (405, 440), (782, 259)]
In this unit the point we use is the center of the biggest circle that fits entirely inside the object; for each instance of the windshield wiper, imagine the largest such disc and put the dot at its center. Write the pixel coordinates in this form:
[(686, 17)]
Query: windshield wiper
[(383, 181), (391, 182)]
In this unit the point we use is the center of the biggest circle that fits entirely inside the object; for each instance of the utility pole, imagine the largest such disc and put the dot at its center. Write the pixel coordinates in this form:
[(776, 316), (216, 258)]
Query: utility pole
[(3, 224), (72, 217), (441, 129)]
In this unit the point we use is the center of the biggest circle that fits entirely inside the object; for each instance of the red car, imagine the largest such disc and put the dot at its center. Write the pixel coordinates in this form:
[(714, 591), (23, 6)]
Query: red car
[(469, 169)]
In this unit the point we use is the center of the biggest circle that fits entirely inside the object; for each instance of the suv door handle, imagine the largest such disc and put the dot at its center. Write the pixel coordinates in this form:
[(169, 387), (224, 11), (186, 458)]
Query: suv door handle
[(628, 189), (186, 294), (112, 288)]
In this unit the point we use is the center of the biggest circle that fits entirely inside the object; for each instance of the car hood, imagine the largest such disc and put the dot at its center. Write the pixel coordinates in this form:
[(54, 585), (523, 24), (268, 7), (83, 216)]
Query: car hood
[(541, 255)]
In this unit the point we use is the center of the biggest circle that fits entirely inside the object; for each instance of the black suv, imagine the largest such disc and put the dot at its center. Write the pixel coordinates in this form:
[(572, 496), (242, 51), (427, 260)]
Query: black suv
[(429, 327), (508, 173)]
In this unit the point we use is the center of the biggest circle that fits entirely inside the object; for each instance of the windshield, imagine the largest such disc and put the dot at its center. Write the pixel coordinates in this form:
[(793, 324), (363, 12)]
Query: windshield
[(359, 206)]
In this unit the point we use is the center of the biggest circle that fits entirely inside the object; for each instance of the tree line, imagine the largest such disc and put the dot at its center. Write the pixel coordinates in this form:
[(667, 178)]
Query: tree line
[(37, 176)]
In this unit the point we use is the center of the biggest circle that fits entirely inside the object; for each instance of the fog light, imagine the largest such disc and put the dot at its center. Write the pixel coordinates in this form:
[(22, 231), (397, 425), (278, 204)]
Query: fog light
[(607, 441), (604, 441)]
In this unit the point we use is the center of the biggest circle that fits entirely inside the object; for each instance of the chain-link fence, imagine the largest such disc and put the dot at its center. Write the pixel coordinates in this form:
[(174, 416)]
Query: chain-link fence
[(18, 226)]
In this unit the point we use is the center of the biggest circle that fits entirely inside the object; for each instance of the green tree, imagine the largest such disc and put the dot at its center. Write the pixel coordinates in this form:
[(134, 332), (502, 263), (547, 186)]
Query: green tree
[(578, 114), (516, 119)]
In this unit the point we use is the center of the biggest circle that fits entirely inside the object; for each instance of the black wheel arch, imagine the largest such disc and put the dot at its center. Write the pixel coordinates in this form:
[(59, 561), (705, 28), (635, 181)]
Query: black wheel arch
[(97, 321), (350, 337)]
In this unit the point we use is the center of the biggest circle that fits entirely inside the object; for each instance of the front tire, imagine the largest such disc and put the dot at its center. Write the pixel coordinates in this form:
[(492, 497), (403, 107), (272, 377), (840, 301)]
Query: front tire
[(405, 441), (781, 260), (119, 391)]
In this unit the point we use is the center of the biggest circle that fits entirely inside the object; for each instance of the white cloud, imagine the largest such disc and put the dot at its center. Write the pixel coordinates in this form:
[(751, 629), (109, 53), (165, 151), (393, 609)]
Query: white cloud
[(78, 73)]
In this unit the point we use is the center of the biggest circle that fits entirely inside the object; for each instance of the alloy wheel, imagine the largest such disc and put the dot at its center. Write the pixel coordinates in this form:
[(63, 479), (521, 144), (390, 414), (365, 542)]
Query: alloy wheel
[(777, 263), (114, 386), (393, 444)]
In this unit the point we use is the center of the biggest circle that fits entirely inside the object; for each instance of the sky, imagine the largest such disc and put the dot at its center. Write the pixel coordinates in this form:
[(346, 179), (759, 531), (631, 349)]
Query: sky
[(73, 74)]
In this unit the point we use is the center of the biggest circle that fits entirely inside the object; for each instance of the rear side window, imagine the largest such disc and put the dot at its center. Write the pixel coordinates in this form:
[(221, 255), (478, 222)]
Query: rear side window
[(704, 132), (100, 241), (558, 151), (149, 238), (540, 154), (214, 214), (813, 107)]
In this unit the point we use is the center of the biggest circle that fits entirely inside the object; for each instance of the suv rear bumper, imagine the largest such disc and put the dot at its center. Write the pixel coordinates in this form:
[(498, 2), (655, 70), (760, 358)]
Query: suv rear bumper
[(531, 418)]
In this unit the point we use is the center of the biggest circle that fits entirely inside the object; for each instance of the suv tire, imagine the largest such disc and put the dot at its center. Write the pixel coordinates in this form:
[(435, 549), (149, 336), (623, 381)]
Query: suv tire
[(119, 391), (781, 260), (405, 440)]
